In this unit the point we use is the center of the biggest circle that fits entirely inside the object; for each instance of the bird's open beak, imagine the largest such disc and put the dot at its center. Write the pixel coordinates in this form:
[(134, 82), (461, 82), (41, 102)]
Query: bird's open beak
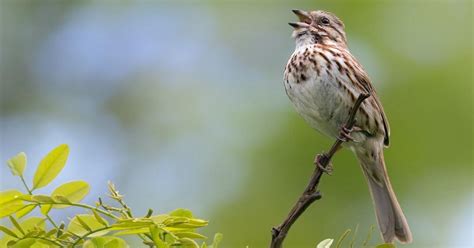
[(298, 24), (303, 16)]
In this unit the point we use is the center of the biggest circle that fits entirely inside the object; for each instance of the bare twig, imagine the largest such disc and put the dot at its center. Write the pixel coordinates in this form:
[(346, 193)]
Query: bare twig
[(311, 193)]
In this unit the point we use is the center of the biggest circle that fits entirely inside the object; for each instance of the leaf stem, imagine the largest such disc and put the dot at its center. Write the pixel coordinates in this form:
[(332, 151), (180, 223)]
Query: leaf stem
[(81, 206), (30, 192), (93, 208), (51, 221), (26, 185)]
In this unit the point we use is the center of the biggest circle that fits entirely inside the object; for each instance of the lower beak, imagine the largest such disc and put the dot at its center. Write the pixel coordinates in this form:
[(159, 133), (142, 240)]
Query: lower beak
[(303, 16), (299, 24)]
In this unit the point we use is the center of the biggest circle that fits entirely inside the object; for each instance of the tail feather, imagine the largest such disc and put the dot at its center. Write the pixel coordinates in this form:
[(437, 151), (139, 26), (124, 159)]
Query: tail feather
[(390, 217)]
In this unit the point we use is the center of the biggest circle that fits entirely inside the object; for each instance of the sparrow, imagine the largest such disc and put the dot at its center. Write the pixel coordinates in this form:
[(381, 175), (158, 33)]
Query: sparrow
[(323, 80)]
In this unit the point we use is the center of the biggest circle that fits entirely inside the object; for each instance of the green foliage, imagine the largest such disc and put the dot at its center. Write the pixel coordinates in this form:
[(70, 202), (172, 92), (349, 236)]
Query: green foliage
[(17, 164), (102, 226)]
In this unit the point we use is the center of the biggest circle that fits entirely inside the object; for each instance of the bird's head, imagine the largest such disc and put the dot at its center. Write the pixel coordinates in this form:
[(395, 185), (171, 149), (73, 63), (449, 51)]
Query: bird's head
[(318, 27)]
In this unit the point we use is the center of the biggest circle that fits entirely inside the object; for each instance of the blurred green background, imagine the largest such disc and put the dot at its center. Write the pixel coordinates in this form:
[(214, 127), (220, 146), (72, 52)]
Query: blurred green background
[(181, 104)]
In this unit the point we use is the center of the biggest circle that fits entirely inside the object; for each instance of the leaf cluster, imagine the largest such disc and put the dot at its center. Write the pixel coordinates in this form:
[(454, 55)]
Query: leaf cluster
[(102, 225)]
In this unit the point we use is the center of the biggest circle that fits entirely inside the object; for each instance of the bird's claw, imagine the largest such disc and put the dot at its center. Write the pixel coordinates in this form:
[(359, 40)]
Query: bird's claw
[(319, 160), (345, 134)]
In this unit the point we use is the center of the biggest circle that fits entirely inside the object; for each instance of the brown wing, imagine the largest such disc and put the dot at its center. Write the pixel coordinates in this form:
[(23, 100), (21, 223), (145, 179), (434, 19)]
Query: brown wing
[(364, 80)]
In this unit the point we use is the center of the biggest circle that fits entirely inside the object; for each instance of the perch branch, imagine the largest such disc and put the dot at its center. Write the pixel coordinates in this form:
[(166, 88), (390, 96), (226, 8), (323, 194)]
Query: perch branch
[(311, 193)]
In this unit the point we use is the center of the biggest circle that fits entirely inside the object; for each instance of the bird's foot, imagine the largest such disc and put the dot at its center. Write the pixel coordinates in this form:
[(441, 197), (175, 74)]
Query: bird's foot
[(320, 160), (345, 133)]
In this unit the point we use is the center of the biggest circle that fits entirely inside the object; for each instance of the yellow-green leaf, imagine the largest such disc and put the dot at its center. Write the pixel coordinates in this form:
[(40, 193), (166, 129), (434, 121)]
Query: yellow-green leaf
[(42, 199), (32, 223), (191, 235), (10, 202), (77, 227), (83, 224), (155, 236), (45, 208), (17, 164), (182, 212), (132, 224), (40, 244), (8, 231), (105, 242), (16, 225), (33, 243), (25, 210), (50, 166), (186, 242), (132, 231), (99, 218), (73, 191), (5, 239), (217, 240)]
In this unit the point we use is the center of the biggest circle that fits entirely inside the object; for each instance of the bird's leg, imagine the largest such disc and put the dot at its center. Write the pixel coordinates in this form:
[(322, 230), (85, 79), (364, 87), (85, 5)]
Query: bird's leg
[(321, 160)]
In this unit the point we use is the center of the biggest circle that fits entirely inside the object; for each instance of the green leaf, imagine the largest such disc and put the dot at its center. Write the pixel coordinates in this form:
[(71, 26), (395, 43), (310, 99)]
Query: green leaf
[(191, 235), (10, 202), (40, 244), (325, 243), (217, 240), (155, 235), (182, 212), (17, 164), (61, 199), (132, 224), (25, 210), (78, 224), (105, 242), (8, 231), (33, 223), (24, 243), (42, 199), (51, 232), (190, 223), (385, 246), (83, 223), (132, 231), (33, 243), (45, 208), (16, 224), (99, 218), (69, 192), (186, 242), (4, 241), (50, 166)]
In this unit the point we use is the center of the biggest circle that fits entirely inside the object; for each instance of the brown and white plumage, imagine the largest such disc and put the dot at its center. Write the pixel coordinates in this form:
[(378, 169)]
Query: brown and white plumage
[(323, 80)]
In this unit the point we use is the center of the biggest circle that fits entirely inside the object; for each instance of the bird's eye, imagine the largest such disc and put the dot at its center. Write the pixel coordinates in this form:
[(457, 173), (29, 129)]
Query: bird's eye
[(325, 21)]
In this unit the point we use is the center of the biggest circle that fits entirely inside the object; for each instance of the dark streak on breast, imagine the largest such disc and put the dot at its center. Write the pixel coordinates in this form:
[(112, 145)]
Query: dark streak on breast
[(339, 66), (303, 77)]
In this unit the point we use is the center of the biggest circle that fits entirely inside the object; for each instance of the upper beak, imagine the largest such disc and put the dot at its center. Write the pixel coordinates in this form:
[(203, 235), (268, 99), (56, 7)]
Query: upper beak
[(303, 16)]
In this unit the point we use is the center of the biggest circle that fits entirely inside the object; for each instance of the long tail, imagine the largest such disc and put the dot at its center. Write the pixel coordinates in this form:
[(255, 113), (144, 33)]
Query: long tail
[(390, 217)]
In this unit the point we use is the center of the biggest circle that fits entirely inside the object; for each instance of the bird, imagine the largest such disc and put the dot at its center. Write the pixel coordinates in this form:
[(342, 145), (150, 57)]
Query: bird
[(323, 80)]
